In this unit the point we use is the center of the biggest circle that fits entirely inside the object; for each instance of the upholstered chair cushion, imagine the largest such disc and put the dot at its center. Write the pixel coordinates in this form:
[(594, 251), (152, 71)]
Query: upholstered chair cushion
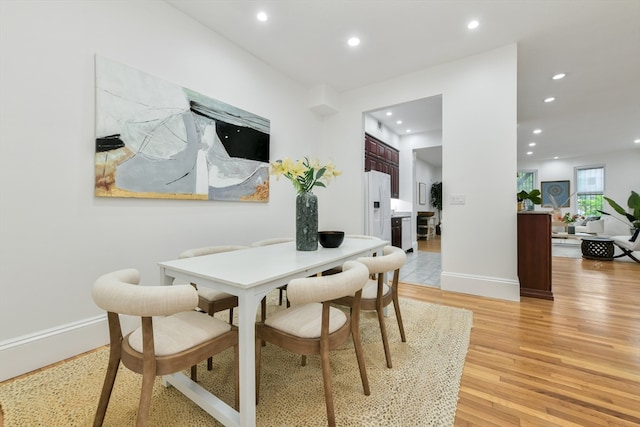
[(305, 321), (117, 292), (180, 332), (212, 294)]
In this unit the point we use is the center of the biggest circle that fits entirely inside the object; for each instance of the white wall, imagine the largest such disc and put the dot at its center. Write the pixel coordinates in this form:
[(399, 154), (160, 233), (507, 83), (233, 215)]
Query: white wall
[(383, 133), (56, 236), (622, 174), (422, 171), (479, 162), (428, 174)]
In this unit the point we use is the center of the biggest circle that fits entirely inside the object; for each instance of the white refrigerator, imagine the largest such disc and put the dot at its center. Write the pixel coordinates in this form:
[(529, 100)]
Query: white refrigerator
[(377, 195)]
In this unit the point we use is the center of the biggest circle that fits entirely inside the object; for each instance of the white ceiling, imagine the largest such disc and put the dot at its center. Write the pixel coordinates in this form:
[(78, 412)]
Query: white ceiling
[(595, 42)]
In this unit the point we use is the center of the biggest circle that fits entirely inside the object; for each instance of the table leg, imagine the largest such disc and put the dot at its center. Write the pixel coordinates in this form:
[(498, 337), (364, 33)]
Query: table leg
[(247, 307)]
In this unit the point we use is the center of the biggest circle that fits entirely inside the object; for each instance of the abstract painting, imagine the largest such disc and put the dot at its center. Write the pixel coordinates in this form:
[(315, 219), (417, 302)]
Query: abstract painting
[(155, 139), (555, 192)]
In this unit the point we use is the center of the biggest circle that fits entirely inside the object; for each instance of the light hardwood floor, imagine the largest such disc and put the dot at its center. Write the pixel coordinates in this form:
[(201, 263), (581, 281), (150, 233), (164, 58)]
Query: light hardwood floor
[(574, 361)]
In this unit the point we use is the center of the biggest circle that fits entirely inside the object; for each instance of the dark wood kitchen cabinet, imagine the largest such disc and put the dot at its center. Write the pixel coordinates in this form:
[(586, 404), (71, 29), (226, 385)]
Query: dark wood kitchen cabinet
[(381, 157), (534, 254), (396, 232)]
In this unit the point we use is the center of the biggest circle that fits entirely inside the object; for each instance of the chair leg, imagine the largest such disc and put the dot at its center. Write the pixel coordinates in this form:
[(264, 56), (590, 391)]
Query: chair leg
[(211, 312), (148, 371), (355, 334), (263, 314), (396, 306), (145, 398), (194, 373), (626, 252), (383, 331), (328, 389), (107, 387)]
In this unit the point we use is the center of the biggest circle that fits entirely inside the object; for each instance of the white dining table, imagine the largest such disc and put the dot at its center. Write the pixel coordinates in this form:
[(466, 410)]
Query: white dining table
[(250, 274)]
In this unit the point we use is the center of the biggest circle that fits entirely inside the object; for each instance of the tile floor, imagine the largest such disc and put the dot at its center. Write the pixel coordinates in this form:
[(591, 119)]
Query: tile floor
[(422, 268)]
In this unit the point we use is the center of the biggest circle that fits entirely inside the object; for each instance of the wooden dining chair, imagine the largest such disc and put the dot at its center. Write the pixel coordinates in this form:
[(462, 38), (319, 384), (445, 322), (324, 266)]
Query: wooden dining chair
[(312, 326), (378, 293), (210, 300), (273, 241), (161, 345)]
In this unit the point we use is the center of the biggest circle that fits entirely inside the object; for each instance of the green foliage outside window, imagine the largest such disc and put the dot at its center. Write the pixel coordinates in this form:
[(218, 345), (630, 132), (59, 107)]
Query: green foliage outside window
[(525, 181), (590, 204)]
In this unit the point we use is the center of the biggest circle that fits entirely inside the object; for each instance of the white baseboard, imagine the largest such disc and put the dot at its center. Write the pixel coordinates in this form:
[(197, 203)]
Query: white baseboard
[(30, 352), (492, 287)]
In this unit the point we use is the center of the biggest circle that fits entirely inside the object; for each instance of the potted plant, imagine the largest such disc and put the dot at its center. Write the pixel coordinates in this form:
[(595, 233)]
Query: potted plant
[(634, 204), (436, 201), (526, 200)]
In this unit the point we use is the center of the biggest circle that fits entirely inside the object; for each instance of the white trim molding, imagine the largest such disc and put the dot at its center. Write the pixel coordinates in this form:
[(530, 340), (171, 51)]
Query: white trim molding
[(492, 287), (30, 352)]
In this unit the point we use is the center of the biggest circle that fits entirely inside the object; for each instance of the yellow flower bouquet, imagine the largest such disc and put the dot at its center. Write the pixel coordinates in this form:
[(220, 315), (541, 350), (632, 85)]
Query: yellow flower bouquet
[(304, 174)]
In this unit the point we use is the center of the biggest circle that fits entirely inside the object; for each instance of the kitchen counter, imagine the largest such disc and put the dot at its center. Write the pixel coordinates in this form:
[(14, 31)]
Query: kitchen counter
[(401, 214)]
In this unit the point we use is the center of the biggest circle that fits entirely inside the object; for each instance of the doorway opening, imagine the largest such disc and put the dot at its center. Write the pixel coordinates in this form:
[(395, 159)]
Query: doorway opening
[(414, 128)]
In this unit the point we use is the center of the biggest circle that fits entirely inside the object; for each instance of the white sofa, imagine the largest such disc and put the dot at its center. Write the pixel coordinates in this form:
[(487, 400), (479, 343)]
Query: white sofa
[(592, 227)]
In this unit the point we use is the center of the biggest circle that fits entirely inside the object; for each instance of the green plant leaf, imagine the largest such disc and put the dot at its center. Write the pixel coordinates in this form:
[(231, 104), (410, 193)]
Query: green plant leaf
[(634, 204), (616, 207)]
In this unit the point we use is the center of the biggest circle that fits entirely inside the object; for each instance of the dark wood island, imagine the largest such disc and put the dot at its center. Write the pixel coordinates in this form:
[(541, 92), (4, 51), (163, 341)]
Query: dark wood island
[(534, 254)]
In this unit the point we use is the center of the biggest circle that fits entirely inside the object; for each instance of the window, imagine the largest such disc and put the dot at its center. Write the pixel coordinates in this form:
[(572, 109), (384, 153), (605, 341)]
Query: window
[(526, 180), (589, 190)]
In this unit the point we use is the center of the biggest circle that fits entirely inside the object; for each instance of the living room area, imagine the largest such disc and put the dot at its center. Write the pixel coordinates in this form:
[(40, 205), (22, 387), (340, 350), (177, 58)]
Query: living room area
[(584, 223)]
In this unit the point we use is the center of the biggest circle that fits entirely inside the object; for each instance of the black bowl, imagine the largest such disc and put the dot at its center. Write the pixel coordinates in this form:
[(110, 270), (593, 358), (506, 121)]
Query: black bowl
[(330, 239)]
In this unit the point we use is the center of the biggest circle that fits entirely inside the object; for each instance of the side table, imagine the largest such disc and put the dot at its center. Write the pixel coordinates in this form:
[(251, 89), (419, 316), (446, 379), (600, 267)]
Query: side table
[(597, 248)]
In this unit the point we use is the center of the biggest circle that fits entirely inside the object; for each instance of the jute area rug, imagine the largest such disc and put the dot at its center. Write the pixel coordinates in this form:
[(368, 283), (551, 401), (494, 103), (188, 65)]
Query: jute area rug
[(420, 390)]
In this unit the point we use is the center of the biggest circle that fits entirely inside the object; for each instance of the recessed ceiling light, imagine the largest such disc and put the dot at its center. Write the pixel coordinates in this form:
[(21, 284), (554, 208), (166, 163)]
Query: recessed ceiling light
[(537, 131), (262, 17), (558, 76), (399, 122), (637, 141), (529, 153), (353, 41), (549, 99), (555, 158), (389, 113), (472, 25), (408, 130), (532, 144)]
